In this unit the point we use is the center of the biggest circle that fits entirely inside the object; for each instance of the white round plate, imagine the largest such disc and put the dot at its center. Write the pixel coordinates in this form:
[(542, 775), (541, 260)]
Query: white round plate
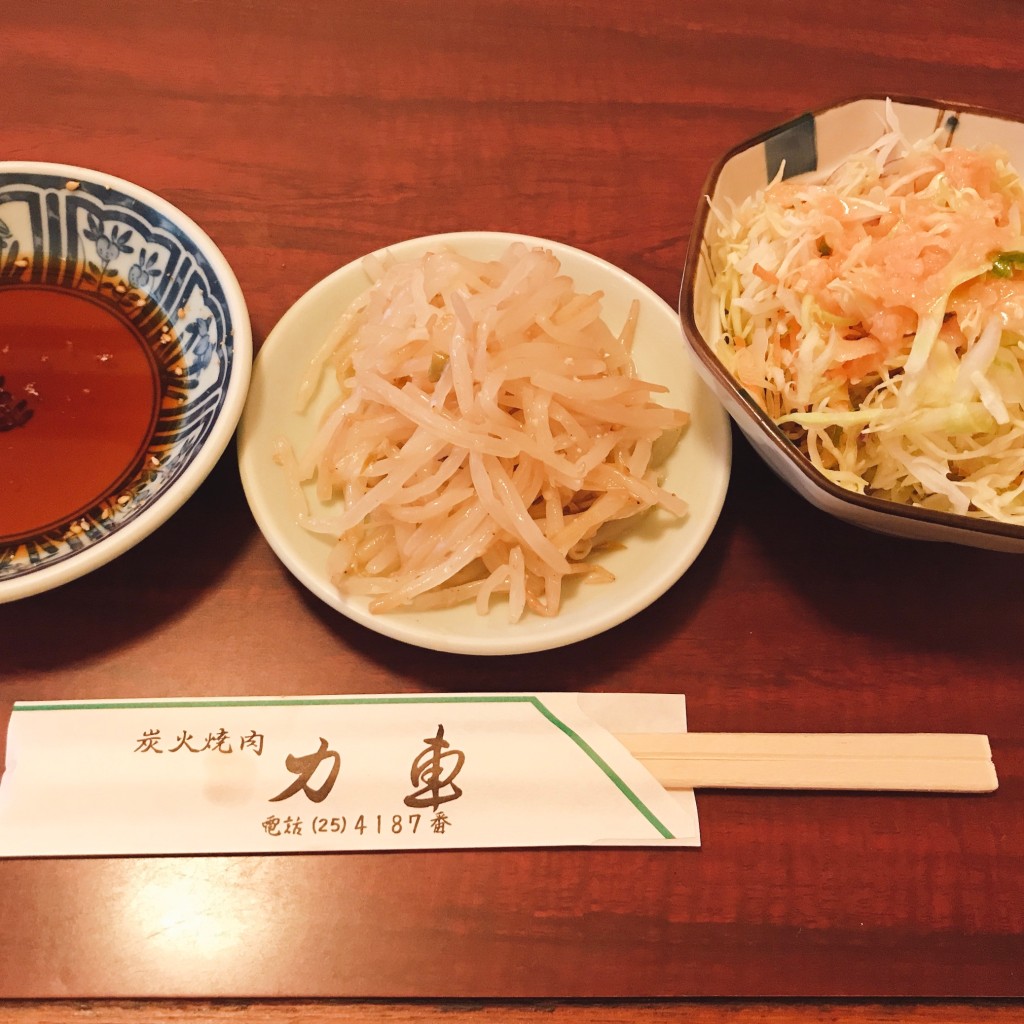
[(656, 551)]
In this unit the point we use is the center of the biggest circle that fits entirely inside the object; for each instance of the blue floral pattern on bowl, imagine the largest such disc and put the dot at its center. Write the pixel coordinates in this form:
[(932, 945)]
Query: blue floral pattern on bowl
[(74, 233)]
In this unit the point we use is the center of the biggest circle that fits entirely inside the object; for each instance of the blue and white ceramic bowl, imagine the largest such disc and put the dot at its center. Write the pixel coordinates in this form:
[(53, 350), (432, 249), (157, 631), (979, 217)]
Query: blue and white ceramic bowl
[(67, 227)]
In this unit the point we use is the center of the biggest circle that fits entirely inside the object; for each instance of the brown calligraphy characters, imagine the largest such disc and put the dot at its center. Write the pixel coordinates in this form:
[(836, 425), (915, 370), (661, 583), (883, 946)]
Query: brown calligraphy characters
[(276, 827), (305, 767), (434, 771), (185, 740), (217, 742), (254, 741), (149, 742)]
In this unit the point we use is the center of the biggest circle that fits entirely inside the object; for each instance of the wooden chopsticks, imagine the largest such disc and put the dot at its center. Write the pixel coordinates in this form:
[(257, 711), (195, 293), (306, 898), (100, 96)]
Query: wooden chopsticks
[(925, 762)]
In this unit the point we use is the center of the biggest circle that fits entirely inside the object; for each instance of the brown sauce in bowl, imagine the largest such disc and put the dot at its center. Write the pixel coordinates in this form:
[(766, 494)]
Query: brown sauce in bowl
[(79, 401)]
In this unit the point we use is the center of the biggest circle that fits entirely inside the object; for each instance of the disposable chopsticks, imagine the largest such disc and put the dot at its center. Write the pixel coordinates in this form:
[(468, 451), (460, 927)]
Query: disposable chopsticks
[(927, 762)]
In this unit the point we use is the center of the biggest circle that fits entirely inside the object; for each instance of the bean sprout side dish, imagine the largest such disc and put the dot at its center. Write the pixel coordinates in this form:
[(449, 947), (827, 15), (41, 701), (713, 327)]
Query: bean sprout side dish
[(487, 434)]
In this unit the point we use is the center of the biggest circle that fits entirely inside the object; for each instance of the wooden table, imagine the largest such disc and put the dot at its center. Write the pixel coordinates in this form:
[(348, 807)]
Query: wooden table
[(303, 135)]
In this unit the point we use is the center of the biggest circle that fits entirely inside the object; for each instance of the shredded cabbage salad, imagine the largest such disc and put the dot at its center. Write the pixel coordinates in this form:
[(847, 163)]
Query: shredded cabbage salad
[(876, 313)]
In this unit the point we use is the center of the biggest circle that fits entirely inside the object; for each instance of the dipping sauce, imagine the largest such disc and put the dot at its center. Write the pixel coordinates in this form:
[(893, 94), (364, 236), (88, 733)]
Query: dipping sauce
[(92, 388)]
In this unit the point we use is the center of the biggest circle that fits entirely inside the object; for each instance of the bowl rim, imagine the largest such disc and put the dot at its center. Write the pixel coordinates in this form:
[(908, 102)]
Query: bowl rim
[(745, 406), (155, 514)]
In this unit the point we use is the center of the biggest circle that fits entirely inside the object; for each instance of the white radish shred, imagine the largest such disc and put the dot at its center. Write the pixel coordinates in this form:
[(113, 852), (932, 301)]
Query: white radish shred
[(488, 426)]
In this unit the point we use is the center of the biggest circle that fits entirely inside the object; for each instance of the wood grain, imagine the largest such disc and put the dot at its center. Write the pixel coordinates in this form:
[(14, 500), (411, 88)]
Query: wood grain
[(927, 762), (341, 1012), (303, 135)]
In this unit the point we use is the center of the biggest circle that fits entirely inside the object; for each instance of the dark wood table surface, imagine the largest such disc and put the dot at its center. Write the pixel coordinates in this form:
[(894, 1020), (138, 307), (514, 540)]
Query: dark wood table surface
[(303, 135)]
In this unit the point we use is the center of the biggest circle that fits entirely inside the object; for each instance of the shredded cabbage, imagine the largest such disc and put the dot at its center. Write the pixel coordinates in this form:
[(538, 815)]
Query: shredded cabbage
[(876, 313)]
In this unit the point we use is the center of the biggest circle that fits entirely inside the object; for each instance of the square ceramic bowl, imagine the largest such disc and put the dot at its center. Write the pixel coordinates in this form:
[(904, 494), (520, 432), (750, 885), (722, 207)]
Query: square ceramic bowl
[(125, 354), (820, 141)]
